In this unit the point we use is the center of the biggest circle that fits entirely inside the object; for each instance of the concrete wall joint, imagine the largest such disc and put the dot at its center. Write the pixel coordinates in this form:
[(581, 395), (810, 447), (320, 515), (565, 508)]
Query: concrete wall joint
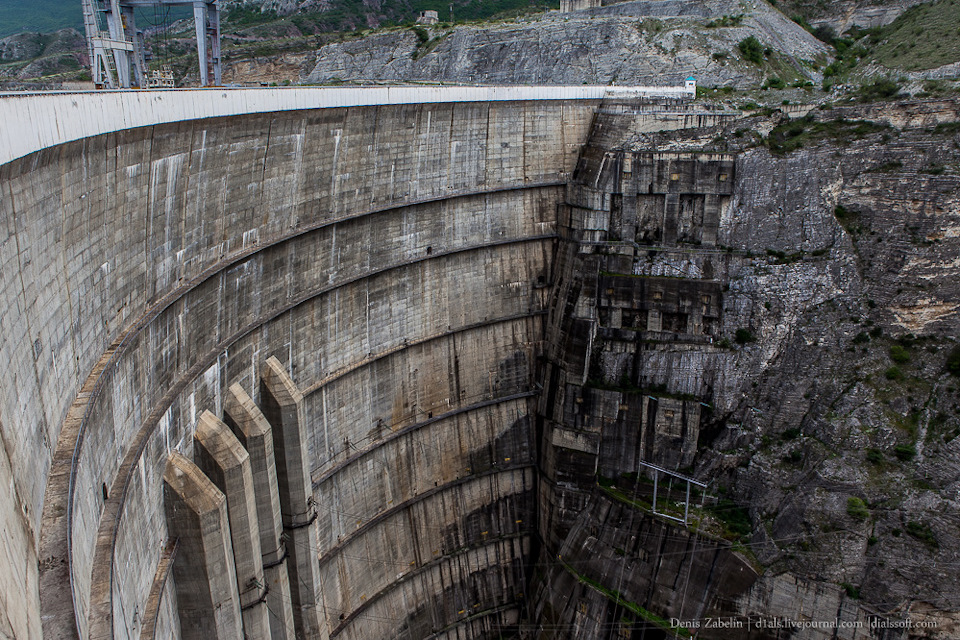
[(332, 552), (492, 611), (425, 566), (413, 427), (339, 373)]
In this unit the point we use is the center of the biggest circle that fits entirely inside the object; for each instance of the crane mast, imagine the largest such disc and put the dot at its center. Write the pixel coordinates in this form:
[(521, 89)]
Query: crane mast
[(116, 47)]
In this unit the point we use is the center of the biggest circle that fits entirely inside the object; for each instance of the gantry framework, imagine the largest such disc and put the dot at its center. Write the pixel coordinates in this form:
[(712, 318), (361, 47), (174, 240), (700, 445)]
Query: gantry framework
[(116, 48)]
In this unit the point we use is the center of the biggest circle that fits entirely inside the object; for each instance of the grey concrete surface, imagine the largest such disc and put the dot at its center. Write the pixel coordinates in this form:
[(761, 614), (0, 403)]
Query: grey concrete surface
[(207, 596), (253, 431), (224, 460)]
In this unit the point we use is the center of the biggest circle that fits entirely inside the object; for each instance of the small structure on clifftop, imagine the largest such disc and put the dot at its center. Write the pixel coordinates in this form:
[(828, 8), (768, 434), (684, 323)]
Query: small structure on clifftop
[(428, 17), (566, 6)]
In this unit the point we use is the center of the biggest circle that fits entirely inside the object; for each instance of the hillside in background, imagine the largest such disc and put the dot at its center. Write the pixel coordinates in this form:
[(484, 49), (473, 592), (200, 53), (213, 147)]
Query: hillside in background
[(45, 16), (925, 36), (794, 50)]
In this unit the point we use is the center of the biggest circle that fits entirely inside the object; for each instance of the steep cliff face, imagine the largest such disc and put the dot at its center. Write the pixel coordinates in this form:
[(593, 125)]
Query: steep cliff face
[(848, 13), (770, 306), (849, 417), (639, 42)]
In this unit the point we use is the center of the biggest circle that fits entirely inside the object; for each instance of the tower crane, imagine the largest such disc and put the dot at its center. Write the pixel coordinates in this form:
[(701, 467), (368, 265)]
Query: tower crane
[(116, 48)]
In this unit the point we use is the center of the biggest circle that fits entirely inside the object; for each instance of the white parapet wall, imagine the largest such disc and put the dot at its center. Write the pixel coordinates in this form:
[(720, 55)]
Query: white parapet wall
[(34, 121)]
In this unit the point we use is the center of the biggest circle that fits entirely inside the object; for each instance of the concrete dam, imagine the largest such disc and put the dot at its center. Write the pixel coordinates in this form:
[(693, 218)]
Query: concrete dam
[(280, 368)]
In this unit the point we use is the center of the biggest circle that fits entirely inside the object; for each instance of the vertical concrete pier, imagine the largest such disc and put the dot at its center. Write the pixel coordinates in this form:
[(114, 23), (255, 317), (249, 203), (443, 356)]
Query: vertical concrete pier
[(196, 511), (253, 431), (224, 460), (282, 405)]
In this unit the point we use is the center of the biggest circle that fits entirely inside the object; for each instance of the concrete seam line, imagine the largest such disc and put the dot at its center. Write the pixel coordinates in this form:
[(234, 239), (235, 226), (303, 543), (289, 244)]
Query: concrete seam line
[(425, 566), (334, 551), (418, 425)]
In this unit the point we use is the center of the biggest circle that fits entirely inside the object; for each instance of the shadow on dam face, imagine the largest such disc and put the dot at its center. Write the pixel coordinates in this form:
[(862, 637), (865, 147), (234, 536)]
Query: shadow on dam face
[(411, 296)]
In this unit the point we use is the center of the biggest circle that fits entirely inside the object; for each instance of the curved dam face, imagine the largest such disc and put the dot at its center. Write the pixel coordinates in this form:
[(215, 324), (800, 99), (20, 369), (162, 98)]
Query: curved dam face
[(395, 259), (456, 368)]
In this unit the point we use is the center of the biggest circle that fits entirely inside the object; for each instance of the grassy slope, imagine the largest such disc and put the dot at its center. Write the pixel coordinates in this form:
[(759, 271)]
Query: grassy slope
[(923, 37)]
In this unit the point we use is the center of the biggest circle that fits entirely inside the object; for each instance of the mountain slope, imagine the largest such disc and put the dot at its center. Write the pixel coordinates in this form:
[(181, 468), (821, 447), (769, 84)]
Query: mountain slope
[(638, 42), (42, 15)]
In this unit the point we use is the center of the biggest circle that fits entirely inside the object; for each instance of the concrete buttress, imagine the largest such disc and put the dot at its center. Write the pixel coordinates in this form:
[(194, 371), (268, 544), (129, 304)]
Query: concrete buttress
[(221, 456), (282, 405), (251, 428), (196, 511)]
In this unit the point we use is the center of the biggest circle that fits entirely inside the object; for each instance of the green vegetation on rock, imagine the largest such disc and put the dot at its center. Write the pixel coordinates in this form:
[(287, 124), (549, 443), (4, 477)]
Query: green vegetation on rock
[(879, 89), (922, 532), (905, 452), (857, 509), (751, 49), (795, 134), (726, 21), (899, 354), (953, 361)]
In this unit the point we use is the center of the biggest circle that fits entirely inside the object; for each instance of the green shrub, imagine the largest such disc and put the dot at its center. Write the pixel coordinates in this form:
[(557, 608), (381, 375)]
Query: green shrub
[(751, 49), (650, 24), (922, 531), (949, 128), (953, 361), (776, 83), (857, 509), (800, 20), (736, 519), (725, 21), (423, 36), (794, 457), (743, 336), (893, 373), (874, 456), (905, 452), (825, 34), (793, 134), (880, 89), (247, 15), (861, 338), (899, 355), (791, 434)]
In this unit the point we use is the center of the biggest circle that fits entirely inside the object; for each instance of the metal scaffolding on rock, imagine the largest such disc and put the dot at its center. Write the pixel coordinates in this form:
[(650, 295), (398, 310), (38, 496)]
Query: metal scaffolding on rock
[(116, 47)]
